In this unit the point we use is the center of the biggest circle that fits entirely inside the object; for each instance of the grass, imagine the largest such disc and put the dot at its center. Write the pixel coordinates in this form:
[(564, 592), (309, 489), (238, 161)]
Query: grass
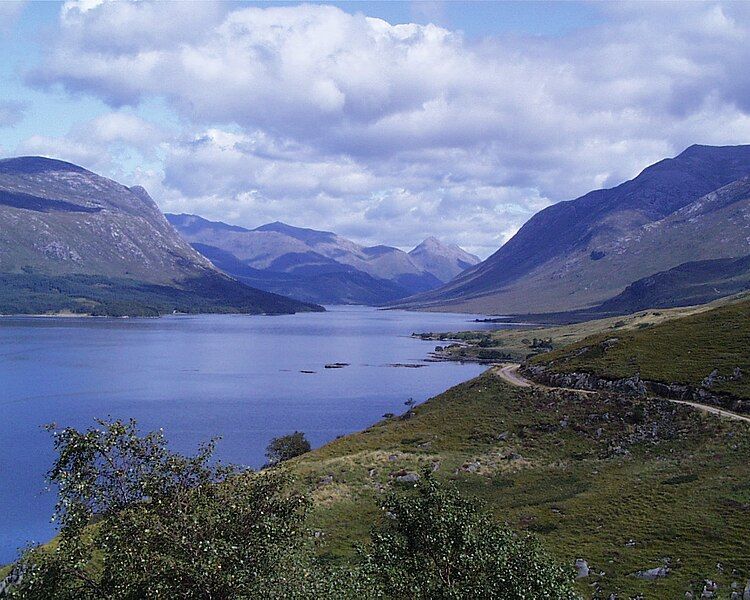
[(623, 483), (517, 344), (684, 350)]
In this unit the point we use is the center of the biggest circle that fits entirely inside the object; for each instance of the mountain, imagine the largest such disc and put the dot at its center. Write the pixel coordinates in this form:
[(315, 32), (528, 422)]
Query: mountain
[(71, 240), (321, 266), (583, 252), (442, 260), (688, 284)]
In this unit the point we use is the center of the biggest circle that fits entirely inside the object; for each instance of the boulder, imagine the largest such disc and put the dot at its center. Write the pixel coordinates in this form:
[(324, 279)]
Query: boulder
[(582, 568), (655, 573)]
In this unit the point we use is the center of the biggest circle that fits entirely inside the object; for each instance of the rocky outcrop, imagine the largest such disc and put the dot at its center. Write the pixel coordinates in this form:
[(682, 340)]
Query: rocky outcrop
[(634, 386)]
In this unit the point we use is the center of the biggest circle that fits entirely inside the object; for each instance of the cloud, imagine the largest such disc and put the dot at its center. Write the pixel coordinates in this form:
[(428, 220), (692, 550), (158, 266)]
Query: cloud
[(102, 143), (311, 114), (10, 113)]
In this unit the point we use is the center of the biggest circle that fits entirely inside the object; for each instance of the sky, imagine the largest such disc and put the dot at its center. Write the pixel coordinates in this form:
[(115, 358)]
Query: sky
[(386, 122)]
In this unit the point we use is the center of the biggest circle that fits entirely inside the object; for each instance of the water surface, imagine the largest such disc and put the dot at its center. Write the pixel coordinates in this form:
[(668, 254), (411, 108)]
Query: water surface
[(197, 377)]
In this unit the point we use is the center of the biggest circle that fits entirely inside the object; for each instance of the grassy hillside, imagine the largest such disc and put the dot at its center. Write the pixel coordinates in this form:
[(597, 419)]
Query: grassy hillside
[(622, 483), (517, 344), (104, 296), (684, 350)]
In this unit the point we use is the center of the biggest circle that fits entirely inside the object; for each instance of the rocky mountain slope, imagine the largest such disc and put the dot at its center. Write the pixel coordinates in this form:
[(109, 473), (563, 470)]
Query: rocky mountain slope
[(321, 266), (580, 253), (74, 241)]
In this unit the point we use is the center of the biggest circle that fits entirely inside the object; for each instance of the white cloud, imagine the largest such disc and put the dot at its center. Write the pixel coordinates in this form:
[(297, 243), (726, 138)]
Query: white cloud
[(102, 143), (391, 132)]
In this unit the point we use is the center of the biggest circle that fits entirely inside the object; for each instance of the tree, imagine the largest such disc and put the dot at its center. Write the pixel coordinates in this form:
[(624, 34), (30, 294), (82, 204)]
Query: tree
[(286, 447), (438, 545), (138, 521)]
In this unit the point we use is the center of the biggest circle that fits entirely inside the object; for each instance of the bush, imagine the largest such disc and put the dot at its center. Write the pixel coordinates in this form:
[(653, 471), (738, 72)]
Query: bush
[(140, 522), (286, 447), (137, 521), (438, 545)]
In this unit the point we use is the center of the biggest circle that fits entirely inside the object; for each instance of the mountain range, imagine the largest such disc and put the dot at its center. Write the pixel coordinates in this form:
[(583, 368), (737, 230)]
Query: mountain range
[(71, 240), (321, 266), (677, 234), (645, 241)]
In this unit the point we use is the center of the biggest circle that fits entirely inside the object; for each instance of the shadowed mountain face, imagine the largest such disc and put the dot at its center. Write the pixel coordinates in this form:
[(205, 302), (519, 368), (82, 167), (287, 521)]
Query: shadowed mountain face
[(579, 253), (59, 221), (688, 284), (320, 266)]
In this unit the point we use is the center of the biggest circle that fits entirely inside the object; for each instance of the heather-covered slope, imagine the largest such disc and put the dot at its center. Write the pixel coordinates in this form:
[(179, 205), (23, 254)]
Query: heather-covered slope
[(59, 222), (580, 253), (707, 351)]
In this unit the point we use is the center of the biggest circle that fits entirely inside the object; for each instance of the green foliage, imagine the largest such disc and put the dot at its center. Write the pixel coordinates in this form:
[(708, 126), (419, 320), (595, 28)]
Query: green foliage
[(138, 521), (286, 447), (438, 545)]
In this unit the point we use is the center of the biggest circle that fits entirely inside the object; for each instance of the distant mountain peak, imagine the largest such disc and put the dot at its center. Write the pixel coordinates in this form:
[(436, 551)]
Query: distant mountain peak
[(187, 222), (431, 241), (300, 233), (433, 244), (37, 164)]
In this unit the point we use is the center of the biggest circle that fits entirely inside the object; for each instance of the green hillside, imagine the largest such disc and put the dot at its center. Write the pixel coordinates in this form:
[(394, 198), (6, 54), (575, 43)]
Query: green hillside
[(622, 483), (685, 351)]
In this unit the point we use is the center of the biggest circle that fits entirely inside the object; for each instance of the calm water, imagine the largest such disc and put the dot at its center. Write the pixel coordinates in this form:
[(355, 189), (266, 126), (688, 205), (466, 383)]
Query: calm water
[(198, 377)]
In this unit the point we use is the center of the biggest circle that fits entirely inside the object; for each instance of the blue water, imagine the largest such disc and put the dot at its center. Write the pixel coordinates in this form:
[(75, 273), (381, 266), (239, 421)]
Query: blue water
[(198, 377)]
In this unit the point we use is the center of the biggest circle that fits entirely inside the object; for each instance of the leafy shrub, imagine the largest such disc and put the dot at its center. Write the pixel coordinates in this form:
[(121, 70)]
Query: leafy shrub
[(287, 447), (137, 521), (438, 545)]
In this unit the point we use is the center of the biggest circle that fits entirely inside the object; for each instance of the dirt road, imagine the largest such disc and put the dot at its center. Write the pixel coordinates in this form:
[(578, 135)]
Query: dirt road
[(510, 374)]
